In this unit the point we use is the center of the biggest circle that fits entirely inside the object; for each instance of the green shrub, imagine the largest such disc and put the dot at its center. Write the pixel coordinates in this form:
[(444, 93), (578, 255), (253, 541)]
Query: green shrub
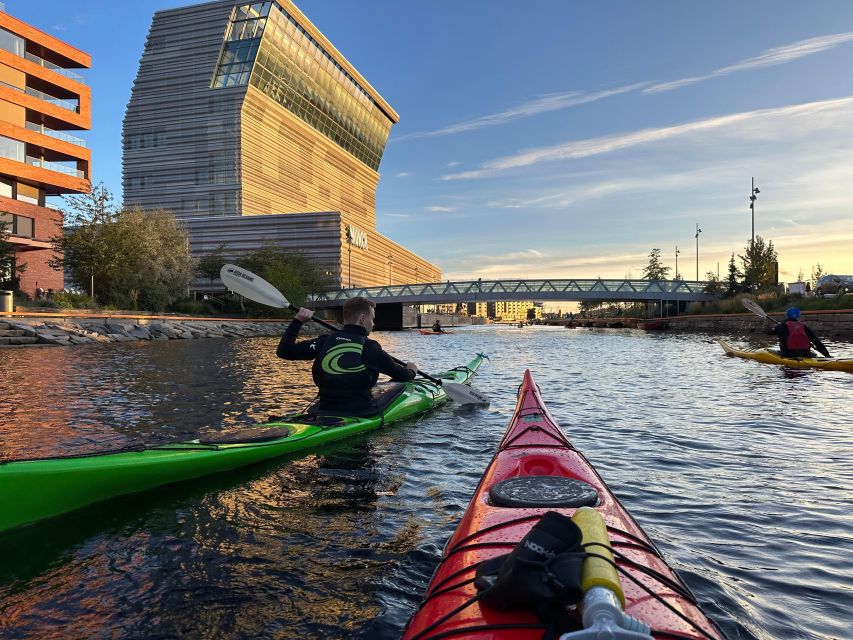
[(65, 300), (193, 307)]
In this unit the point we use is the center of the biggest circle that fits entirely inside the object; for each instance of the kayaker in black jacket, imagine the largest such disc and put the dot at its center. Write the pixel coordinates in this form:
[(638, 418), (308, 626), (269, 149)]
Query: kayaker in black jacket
[(347, 363), (436, 326), (795, 337)]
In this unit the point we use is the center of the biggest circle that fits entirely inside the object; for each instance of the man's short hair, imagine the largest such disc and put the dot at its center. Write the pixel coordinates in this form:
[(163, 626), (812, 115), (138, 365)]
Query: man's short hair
[(354, 307)]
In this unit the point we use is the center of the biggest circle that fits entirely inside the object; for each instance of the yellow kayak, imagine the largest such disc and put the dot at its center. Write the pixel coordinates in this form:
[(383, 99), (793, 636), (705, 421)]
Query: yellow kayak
[(771, 356)]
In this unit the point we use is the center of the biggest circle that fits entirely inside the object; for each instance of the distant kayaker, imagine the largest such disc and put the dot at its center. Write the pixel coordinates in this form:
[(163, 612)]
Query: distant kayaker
[(436, 326), (795, 338), (346, 363)]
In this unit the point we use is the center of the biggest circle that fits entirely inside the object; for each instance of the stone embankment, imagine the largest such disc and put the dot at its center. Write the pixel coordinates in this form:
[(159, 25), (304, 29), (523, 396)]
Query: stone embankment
[(826, 324), (72, 331)]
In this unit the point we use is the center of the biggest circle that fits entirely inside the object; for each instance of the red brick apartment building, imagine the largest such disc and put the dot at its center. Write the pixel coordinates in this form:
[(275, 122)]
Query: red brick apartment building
[(41, 99)]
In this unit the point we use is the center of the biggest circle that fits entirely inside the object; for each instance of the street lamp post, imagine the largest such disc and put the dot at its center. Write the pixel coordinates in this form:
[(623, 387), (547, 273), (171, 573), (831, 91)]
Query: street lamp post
[(349, 258), (753, 196), (698, 231), (676, 261), (390, 264)]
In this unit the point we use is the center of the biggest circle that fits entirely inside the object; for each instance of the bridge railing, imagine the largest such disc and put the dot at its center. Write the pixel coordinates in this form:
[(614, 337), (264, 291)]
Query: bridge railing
[(483, 289)]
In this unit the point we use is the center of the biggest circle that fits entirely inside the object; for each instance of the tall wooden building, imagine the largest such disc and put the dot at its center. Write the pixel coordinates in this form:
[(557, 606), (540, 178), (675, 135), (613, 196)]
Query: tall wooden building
[(41, 99), (249, 125)]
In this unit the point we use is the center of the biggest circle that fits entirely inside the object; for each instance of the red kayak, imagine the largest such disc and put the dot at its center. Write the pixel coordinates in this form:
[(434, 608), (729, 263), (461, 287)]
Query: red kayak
[(430, 332), (538, 476)]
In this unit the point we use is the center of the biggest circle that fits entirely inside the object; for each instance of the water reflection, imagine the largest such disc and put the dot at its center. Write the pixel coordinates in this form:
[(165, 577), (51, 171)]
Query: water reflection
[(741, 472)]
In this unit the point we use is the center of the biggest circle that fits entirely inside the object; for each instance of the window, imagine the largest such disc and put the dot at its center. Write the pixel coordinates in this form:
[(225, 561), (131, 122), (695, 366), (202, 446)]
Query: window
[(140, 182), (12, 149), (12, 43), (146, 140), (6, 188), (19, 225)]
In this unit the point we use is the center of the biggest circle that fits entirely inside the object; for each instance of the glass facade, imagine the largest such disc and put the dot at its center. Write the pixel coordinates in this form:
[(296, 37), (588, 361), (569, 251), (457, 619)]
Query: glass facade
[(12, 149), (241, 44), (293, 69), (12, 43)]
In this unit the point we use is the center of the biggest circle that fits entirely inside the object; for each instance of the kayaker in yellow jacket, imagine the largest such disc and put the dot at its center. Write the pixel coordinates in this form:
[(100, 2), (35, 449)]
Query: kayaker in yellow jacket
[(795, 337)]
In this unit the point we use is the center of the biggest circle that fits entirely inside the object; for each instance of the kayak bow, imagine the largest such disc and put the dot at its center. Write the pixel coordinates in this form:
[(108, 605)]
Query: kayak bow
[(31, 490), (536, 470)]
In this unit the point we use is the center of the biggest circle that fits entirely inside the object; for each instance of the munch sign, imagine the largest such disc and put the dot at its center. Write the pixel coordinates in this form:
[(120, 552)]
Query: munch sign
[(357, 236)]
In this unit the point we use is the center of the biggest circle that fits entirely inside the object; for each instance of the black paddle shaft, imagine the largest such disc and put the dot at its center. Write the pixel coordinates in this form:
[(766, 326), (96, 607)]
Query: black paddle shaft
[(332, 327)]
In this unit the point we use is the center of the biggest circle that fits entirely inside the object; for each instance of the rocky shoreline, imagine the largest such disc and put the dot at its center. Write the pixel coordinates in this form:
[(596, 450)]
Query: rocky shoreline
[(24, 332)]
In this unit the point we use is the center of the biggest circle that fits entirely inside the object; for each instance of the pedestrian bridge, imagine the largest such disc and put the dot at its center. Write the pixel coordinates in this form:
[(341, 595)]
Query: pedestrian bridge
[(540, 290)]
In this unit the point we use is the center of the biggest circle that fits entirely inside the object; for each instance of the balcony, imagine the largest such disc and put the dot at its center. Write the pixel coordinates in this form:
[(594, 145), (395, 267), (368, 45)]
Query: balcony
[(55, 166), (54, 67), (59, 102), (41, 95), (59, 135)]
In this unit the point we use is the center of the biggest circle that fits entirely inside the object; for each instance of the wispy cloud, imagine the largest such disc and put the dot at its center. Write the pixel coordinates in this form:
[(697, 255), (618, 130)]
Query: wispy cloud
[(397, 215), (438, 208), (403, 174), (545, 104), (768, 58), (762, 123), (453, 164)]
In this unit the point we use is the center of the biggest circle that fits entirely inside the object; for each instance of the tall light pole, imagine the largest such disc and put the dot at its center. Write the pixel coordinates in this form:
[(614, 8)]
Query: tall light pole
[(698, 231), (676, 261), (390, 263), (753, 196), (349, 258)]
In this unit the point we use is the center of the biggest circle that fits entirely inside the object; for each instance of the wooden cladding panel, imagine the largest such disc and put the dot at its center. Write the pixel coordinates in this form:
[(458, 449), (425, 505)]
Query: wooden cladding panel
[(289, 166), (370, 267)]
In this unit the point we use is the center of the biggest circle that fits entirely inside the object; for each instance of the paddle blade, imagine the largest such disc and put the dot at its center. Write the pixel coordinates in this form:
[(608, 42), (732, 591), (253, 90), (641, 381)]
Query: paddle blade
[(251, 286), (753, 306), (463, 394)]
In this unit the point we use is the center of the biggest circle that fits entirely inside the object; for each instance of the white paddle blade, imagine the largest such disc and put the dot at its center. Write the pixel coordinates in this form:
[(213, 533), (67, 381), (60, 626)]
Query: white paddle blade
[(753, 306), (247, 284), (463, 394)]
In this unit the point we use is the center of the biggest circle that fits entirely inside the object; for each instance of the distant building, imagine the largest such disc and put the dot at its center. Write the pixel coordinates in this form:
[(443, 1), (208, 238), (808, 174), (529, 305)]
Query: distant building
[(41, 99), (507, 310), (248, 124)]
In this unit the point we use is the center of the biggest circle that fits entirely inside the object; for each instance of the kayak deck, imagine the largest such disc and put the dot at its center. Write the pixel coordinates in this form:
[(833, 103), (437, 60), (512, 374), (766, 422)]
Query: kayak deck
[(31, 490), (769, 356), (534, 448)]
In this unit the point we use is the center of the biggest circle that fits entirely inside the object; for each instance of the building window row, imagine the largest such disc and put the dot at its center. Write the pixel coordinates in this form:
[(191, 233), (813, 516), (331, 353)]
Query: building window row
[(21, 226), (145, 140)]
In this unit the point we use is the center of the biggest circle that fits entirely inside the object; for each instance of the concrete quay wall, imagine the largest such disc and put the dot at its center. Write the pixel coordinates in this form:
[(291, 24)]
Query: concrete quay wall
[(828, 324)]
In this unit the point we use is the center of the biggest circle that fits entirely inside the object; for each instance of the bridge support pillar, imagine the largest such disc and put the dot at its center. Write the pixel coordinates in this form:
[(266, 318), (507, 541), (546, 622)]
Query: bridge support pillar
[(389, 317)]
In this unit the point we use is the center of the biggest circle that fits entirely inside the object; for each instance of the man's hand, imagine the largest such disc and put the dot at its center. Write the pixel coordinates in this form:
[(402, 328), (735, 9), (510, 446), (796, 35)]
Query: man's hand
[(412, 366), (303, 315)]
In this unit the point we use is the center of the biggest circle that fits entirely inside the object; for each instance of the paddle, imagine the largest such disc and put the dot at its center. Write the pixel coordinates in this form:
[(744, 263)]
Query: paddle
[(255, 288), (753, 306)]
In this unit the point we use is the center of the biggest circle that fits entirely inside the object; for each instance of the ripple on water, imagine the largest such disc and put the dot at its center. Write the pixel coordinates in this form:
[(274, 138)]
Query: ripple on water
[(741, 472)]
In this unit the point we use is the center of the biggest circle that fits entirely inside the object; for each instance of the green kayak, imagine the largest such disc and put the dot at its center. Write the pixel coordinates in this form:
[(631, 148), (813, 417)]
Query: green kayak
[(31, 490)]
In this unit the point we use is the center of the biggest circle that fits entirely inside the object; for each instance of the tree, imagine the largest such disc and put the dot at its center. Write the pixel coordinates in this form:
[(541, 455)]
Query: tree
[(155, 267), (655, 269), (83, 250), (733, 278), (713, 285), (290, 272), (759, 264), (209, 265), (817, 272)]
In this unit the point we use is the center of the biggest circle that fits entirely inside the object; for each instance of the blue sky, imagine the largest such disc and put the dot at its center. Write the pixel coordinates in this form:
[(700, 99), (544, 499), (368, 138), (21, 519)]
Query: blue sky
[(567, 139)]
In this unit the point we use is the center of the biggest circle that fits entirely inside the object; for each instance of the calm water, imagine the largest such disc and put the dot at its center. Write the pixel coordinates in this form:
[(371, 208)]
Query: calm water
[(741, 472)]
